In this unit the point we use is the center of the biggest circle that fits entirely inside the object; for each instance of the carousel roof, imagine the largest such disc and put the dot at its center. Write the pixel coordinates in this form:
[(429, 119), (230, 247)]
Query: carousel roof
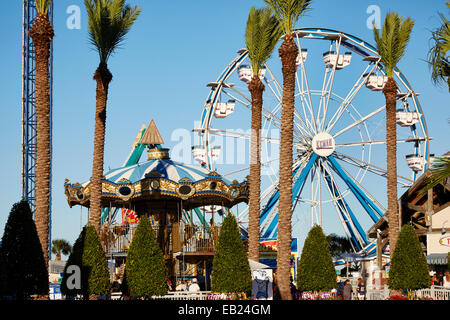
[(160, 178), (165, 168)]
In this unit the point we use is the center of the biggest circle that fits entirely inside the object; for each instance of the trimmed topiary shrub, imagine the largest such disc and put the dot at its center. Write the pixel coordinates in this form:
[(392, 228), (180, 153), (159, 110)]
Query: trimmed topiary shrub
[(231, 269), (315, 271), (409, 268), (448, 262), (90, 258), (23, 259), (145, 271)]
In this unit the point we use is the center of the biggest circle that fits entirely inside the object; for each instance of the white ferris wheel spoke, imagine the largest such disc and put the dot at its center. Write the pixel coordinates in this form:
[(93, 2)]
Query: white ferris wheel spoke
[(371, 168), (304, 74), (304, 102), (304, 130), (330, 86), (349, 98), (362, 143), (359, 121), (240, 135)]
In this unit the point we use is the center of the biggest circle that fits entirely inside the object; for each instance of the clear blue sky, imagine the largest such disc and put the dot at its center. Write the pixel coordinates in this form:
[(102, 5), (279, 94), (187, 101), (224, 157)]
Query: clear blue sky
[(174, 49)]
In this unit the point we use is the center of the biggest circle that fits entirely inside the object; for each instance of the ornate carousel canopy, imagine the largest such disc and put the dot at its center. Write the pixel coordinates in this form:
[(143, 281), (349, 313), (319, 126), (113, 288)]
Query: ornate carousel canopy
[(160, 179)]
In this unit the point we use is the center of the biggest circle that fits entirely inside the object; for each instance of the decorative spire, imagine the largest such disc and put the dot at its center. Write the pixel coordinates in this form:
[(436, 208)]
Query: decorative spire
[(152, 135)]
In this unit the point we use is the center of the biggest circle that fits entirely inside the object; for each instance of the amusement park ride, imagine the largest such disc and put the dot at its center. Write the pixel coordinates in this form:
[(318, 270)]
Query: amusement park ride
[(29, 110), (338, 157), (175, 196)]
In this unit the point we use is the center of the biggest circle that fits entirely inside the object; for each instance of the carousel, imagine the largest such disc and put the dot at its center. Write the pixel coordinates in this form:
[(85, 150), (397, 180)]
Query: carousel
[(184, 203)]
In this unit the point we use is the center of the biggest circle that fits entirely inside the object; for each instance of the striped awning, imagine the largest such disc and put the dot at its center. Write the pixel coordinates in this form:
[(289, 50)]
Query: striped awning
[(166, 168), (437, 258)]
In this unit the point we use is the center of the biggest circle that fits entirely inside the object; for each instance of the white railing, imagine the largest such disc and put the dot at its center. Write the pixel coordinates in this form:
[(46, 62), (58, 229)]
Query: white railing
[(377, 294), (172, 295), (183, 295), (435, 293)]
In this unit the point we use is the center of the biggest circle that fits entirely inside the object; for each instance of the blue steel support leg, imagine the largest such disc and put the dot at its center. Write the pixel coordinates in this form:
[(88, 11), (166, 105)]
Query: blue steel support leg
[(373, 211), (343, 205), (273, 200), (272, 230)]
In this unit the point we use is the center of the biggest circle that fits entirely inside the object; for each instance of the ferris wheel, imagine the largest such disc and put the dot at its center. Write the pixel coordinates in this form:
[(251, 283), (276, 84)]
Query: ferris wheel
[(339, 133)]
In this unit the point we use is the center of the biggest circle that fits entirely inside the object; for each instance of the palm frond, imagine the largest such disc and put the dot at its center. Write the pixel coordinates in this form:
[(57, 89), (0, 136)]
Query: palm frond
[(42, 6), (437, 55), (108, 23), (262, 34), (288, 12), (440, 171), (393, 40)]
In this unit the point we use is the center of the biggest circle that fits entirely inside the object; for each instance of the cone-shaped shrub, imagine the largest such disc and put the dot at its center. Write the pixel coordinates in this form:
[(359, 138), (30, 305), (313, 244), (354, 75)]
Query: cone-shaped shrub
[(315, 270), (409, 268), (146, 273), (89, 256), (75, 259), (23, 257), (231, 269), (448, 262)]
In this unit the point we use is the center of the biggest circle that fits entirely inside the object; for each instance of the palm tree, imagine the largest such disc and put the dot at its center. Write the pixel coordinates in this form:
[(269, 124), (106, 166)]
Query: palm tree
[(287, 12), (439, 173), (391, 46), (338, 245), (61, 246), (261, 36), (42, 34), (108, 23), (437, 55)]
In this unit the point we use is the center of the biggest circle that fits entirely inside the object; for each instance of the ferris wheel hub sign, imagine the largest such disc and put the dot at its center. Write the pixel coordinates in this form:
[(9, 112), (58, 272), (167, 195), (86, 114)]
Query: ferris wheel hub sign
[(323, 144)]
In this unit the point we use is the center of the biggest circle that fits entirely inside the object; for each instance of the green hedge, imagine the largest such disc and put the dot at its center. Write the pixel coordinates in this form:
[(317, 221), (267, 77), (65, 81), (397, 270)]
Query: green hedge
[(25, 271), (89, 256), (145, 271), (231, 269), (409, 268)]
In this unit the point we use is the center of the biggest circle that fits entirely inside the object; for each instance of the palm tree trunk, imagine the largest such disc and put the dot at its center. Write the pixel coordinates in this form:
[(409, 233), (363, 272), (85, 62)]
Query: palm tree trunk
[(42, 34), (288, 53), (103, 77), (390, 92), (256, 88)]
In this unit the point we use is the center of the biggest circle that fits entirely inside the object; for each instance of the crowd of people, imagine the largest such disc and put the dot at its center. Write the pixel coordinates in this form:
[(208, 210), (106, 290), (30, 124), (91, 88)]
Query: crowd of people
[(190, 285), (344, 291), (442, 280)]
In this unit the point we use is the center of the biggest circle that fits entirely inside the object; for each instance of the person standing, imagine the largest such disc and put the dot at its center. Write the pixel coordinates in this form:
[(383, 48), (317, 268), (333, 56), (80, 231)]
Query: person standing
[(440, 279), (340, 288), (361, 289), (446, 280), (181, 286), (434, 280), (194, 287), (348, 290)]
